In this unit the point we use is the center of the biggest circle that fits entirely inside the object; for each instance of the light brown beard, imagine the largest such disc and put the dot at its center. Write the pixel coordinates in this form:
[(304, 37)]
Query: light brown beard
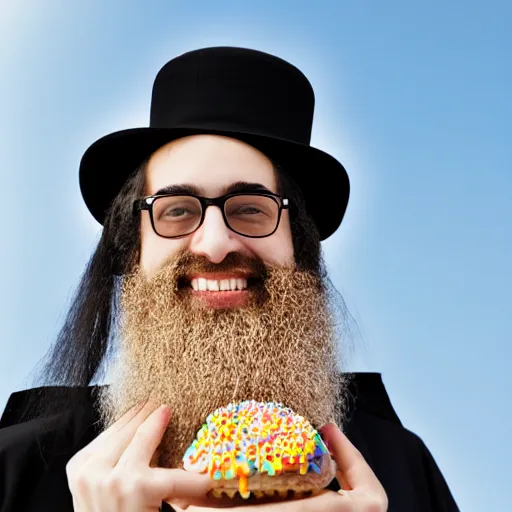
[(280, 347)]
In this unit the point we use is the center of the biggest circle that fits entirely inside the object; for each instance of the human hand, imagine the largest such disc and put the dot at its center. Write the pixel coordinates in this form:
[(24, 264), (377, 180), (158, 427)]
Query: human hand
[(360, 489), (113, 472)]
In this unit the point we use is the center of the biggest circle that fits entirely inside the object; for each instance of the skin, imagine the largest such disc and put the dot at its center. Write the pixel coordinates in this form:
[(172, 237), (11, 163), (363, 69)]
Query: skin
[(116, 471), (211, 163)]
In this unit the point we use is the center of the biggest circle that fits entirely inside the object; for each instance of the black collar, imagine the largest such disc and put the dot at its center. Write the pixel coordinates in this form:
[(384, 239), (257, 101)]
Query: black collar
[(367, 394)]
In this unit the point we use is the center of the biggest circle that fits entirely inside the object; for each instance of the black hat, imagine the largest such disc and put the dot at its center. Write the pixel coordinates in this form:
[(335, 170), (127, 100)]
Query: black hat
[(245, 94)]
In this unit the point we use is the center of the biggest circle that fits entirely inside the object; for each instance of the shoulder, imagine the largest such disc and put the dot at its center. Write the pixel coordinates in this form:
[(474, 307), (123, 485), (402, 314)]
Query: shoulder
[(34, 452), (21, 428), (383, 440), (399, 457), (373, 425)]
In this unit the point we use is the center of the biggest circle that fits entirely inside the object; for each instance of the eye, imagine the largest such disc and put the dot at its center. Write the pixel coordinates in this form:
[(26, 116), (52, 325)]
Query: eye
[(176, 212), (247, 210), (176, 208), (251, 208)]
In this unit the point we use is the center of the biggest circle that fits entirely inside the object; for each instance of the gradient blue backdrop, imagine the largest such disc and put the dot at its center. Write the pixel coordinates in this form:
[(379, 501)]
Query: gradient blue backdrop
[(413, 98)]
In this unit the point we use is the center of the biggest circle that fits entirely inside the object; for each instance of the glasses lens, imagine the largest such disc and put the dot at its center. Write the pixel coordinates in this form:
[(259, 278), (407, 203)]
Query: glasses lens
[(252, 215), (176, 215)]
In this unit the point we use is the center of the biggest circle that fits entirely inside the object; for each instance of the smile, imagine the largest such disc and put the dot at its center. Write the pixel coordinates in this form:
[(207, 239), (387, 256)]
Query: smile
[(201, 284), (221, 289)]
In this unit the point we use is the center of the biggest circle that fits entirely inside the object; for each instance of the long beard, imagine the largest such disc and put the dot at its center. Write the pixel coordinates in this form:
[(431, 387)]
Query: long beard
[(281, 346)]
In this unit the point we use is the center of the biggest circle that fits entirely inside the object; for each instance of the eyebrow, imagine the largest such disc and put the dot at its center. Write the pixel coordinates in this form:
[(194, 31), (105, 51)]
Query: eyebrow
[(239, 186)]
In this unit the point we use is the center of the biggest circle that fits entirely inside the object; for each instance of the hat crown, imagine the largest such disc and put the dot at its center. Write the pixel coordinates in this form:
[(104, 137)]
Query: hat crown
[(234, 89), (246, 94)]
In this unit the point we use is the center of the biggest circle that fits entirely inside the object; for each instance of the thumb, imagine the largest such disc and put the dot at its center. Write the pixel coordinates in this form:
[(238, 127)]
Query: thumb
[(329, 441), (177, 484)]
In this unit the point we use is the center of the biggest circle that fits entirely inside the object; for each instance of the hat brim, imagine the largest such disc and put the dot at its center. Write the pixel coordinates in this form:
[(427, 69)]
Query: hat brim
[(109, 161)]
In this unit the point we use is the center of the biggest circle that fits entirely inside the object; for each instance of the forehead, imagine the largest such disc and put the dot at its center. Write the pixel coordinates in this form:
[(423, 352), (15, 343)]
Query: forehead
[(209, 162)]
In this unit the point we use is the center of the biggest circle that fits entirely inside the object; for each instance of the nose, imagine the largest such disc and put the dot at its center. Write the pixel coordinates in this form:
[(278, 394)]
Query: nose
[(214, 239)]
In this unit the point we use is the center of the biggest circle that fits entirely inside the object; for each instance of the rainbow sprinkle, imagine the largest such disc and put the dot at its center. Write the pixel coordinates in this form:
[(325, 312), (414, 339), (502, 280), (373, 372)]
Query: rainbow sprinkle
[(242, 439)]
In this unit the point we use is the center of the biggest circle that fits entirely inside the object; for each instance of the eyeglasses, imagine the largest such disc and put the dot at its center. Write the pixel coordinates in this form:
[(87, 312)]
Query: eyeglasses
[(255, 215)]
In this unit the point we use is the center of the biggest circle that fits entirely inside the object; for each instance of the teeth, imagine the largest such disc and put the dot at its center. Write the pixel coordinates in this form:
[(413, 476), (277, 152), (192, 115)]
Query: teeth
[(213, 286), (202, 284)]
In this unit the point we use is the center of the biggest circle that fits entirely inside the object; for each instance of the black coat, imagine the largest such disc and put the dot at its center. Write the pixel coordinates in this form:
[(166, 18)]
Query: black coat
[(33, 478)]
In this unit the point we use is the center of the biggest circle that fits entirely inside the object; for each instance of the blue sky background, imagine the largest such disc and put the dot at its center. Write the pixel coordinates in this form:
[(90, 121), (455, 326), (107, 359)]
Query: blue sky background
[(414, 99)]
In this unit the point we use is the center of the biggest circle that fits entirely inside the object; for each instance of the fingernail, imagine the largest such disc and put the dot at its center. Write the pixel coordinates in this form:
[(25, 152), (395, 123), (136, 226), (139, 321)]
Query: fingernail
[(165, 412)]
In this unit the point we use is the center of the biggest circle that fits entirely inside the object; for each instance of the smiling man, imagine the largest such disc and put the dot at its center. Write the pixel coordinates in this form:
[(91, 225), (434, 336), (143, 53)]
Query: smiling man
[(207, 287), (217, 300)]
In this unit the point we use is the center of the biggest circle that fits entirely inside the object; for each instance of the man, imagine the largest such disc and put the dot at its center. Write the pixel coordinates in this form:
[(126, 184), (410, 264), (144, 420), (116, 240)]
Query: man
[(207, 287)]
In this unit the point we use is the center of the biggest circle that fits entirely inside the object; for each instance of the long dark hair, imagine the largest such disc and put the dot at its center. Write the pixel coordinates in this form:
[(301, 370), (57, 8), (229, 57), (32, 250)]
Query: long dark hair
[(86, 338)]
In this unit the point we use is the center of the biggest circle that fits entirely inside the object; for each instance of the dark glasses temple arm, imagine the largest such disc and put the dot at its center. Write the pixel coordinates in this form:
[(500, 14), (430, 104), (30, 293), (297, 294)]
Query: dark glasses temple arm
[(140, 204)]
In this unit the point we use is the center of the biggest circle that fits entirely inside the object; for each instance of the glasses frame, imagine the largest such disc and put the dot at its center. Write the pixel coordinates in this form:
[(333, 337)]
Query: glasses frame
[(146, 203)]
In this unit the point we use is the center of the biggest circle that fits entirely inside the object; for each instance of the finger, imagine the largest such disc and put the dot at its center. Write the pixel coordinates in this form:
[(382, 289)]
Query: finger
[(354, 470), (146, 439), (179, 485), (324, 500), (95, 445), (128, 416), (110, 449), (117, 425), (345, 486)]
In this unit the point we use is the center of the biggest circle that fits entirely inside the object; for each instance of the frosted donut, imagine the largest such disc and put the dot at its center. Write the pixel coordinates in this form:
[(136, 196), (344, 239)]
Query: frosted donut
[(262, 448)]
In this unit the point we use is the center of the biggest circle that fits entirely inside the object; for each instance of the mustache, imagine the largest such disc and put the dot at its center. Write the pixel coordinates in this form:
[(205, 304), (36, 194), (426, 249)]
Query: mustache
[(186, 263), (280, 346)]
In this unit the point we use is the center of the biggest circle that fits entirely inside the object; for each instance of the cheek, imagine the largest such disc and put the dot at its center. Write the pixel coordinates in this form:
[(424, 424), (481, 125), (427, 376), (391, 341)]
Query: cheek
[(155, 250), (277, 248)]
